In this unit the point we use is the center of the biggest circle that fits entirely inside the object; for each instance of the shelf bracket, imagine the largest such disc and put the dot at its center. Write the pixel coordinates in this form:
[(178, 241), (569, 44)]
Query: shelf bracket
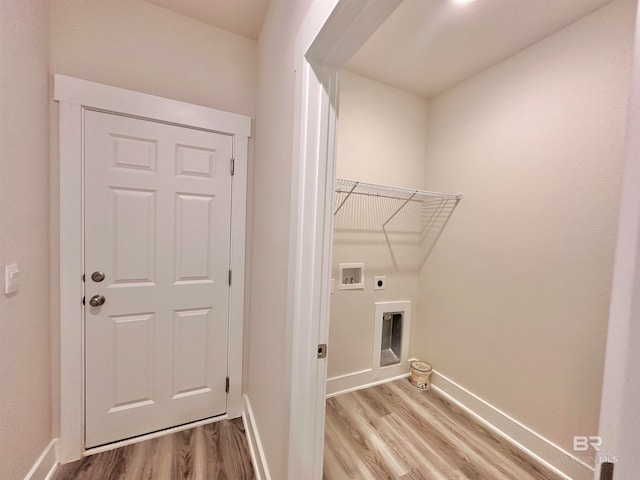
[(399, 208), (345, 198)]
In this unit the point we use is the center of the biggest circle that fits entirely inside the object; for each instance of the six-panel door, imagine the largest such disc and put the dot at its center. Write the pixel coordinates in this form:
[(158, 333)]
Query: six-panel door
[(157, 224)]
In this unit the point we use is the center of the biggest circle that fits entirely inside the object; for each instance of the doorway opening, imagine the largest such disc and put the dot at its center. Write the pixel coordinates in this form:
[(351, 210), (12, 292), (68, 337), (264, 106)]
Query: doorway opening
[(79, 99), (324, 183)]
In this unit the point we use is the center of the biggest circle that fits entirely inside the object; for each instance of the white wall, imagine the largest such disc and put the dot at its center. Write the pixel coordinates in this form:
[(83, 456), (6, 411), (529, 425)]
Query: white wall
[(380, 133), (143, 47), (267, 380), (380, 140), (516, 293), (25, 375)]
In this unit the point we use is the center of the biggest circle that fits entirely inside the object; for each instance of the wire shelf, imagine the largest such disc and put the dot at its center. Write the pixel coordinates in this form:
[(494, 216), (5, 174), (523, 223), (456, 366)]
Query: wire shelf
[(368, 207)]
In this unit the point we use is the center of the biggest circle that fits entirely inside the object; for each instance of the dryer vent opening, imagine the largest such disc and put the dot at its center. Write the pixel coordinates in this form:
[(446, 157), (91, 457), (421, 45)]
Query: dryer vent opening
[(391, 341)]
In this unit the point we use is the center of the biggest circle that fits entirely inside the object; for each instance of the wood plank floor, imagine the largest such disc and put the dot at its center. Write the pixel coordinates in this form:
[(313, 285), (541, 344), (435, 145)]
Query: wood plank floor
[(217, 451), (396, 431)]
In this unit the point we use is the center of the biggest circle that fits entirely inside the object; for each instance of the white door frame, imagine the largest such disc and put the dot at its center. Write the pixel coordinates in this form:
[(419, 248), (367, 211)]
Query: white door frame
[(332, 32), (75, 96)]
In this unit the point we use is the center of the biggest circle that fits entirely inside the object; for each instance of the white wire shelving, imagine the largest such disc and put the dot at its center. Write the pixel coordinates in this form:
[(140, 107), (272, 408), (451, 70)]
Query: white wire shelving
[(362, 206)]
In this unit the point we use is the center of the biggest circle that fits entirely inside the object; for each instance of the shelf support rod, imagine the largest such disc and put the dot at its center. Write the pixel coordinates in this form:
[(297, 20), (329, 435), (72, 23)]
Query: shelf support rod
[(345, 198), (399, 208)]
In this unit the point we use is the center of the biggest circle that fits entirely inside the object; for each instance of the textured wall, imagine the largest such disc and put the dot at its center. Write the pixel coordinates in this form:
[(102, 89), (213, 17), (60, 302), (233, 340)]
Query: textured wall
[(25, 372), (143, 47), (267, 376), (380, 140), (515, 297)]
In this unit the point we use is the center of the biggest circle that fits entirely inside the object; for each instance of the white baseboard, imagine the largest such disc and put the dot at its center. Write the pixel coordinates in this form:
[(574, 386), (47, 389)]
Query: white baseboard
[(253, 439), (365, 379), (45, 465), (553, 456)]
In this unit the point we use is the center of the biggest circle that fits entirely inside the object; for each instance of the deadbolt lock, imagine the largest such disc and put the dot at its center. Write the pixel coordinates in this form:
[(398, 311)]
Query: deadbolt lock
[(97, 276)]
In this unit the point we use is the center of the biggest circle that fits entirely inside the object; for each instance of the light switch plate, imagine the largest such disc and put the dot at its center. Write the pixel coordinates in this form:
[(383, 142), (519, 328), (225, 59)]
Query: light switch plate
[(379, 282), (11, 282)]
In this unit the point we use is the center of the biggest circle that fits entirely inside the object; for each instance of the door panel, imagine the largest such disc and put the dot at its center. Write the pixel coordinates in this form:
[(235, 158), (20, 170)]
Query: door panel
[(194, 238), (134, 227), (157, 224), (133, 360)]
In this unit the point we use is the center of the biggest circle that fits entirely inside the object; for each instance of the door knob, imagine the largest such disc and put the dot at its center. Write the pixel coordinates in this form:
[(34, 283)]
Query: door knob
[(96, 300)]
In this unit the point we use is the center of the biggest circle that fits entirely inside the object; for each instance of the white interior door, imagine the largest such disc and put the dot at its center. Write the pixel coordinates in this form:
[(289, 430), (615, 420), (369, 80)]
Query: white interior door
[(157, 225)]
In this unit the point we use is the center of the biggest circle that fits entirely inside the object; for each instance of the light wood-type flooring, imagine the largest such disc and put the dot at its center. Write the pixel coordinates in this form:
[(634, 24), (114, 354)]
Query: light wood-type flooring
[(217, 451), (396, 431)]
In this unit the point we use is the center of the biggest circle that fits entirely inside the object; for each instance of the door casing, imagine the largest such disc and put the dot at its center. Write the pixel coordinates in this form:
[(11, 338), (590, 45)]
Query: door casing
[(330, 34), (75, 96)]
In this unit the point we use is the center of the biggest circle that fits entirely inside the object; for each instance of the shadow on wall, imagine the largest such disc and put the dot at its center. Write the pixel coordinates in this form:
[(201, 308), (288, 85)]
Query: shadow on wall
[(408, 222)]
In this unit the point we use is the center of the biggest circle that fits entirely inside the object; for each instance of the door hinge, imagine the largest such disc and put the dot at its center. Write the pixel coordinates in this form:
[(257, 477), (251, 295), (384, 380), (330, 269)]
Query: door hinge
[(226, 385), (229, 277), (322, 350), (83, 301), (233, 166)]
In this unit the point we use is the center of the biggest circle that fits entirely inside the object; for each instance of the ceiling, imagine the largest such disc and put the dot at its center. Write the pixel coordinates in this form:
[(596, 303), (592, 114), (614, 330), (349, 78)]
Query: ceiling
[(244, 17), (427, 46)]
